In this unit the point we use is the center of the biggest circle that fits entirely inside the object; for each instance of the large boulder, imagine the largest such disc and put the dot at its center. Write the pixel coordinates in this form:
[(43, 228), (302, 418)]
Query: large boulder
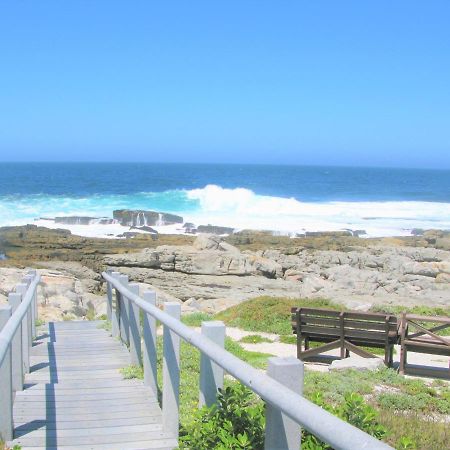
[(208, 256), (213, 242), (214, 229), (139, 218)]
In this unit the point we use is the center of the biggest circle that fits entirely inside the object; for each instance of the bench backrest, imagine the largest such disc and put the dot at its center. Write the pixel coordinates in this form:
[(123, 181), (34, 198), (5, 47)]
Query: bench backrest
[(316, 322)]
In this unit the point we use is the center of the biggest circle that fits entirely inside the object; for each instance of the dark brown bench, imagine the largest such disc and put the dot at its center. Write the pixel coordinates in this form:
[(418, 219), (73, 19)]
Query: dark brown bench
[(418, 334), (347, 330)]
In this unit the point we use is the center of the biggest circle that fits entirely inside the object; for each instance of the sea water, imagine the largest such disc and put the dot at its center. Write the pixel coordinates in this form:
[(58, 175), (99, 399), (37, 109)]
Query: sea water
[(285, 199)]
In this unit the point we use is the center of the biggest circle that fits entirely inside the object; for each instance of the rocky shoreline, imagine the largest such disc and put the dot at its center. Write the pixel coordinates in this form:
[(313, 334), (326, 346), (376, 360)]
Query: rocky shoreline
[(209, 273)]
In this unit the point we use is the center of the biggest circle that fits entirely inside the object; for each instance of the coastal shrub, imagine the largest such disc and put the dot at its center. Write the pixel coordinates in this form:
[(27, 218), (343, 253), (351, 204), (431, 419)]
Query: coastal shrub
[(269, 314), (254, 339), (236, 422), (353, 410)]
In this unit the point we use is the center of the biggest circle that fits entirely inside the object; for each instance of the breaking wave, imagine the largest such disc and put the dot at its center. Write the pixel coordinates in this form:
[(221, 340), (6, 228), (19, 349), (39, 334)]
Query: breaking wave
[(238, 208)]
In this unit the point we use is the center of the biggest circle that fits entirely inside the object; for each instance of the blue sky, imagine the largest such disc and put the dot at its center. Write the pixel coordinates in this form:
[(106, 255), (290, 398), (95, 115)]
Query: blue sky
[(292, 82)]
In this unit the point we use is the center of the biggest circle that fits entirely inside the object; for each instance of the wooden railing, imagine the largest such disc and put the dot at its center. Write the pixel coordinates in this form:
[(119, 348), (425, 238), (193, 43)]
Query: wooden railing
[(17, 331), (419, 334), (281, 387)]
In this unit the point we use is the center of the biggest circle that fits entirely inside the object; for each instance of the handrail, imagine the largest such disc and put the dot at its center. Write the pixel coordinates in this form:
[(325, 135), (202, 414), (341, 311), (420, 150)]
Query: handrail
[(9, 330), (17, 330), (328, 428)]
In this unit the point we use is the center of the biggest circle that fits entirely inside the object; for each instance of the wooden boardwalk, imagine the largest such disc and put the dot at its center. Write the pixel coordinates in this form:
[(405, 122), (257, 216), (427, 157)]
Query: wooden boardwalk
[(75, 397)]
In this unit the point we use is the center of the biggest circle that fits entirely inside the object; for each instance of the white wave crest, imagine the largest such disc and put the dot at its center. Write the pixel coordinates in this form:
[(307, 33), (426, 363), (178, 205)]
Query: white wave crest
[(243, 208)]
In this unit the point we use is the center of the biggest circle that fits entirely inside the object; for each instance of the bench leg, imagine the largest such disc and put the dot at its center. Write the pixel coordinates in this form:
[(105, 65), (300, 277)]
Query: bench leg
[(343, 349), (402, 360), (387, 355), (391, 356)]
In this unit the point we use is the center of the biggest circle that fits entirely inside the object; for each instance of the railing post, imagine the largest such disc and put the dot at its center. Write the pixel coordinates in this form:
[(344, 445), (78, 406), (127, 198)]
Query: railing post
[(135, 326), (150, 356), (211, 375), (171, 373), (109, 297), (30, 276), (14, 300), (6, 392), (282, 433), (115, 318), (26, 331), (124, 313)]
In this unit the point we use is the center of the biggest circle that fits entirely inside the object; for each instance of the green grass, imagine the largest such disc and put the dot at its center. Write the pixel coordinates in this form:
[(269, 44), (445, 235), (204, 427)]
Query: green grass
[(254, 339), (269, 314), (106, 325), (195, 319), (422, 433), (420, 310), (190, 369), (288, 339), (90, 313), (39, 323)]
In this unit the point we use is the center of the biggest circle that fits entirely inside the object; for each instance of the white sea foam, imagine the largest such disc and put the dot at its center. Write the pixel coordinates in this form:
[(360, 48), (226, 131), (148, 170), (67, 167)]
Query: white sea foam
[(243, 208), (237, 208)]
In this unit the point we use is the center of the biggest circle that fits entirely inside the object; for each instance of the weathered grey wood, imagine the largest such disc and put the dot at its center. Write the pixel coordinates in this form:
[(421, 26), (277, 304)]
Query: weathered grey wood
[(91, 439), (135, 328), (87, 425), (124, 313), (14, 300), (34, 304), (26, 335), (6, 386), (161, 444), (171, 372), (150, 355), (100, 431), (78, 400), (282, 433), (109, 297), (115, 318), (211, 375)]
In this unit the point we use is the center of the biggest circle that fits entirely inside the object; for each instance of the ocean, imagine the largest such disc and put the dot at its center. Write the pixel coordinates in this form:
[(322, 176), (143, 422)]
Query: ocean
[(284, 199)]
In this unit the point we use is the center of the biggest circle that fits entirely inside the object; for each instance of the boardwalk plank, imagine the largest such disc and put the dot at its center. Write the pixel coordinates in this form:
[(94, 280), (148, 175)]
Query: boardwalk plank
[(75, 397)]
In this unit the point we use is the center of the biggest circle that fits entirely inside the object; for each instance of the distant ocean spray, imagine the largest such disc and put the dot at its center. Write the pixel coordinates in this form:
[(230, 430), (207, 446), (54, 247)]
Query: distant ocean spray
[(287, 199)]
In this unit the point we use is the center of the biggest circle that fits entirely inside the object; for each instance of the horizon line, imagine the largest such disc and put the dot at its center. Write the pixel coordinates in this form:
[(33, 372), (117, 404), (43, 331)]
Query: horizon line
[(260, 164)]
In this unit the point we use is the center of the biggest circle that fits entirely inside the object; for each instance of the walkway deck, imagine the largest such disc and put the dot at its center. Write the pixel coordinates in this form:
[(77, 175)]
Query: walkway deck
[(76, 398)]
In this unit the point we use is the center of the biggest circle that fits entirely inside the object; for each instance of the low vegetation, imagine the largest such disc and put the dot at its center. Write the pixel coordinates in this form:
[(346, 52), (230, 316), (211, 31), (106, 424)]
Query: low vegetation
[(407, 413), (3, 446), (254, 339), (411, 412), (269, 314)]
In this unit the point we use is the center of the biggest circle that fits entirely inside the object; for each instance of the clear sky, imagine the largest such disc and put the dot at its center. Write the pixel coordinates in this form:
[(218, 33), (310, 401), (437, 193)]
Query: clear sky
[(291, 82)]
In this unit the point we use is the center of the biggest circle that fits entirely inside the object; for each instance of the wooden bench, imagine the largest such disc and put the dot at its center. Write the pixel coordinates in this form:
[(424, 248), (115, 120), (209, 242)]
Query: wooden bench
[(346, 330), (418, 334)]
